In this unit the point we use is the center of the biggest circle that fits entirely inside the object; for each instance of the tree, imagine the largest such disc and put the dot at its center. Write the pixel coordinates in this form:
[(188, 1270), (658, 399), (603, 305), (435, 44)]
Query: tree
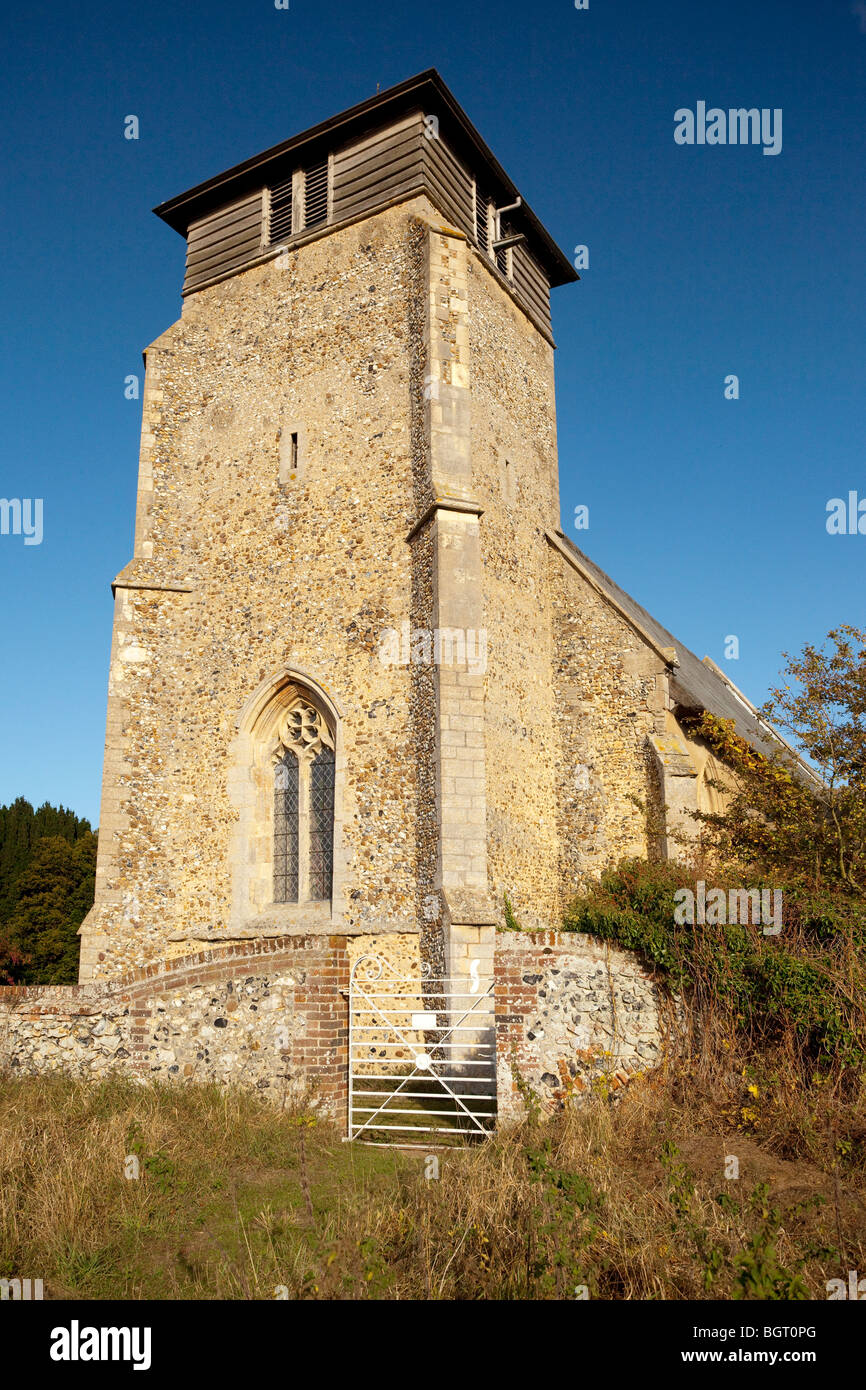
[(54, 893), (20, 829), (12, 962), (777, 817)]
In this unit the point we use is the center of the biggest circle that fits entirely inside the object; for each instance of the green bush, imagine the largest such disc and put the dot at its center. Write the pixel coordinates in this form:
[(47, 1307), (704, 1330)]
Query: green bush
[(807, 985)]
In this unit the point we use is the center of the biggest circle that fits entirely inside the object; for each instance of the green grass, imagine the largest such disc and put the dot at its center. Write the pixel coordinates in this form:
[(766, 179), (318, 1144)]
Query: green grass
[(220, 1178), (238, 1200)]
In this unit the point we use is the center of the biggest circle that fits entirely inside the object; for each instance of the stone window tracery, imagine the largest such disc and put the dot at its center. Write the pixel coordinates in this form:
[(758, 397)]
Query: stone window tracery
[(304, 763)]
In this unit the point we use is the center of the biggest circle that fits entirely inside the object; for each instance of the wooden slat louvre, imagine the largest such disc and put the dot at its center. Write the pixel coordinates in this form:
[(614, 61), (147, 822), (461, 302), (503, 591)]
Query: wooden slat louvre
[(280, 226), (316, 195), (482, 232), (501, 253)]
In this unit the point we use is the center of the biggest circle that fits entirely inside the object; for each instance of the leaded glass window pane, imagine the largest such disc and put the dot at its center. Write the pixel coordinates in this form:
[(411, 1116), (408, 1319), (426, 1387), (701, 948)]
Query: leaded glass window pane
[(321, 824), (286, 829)]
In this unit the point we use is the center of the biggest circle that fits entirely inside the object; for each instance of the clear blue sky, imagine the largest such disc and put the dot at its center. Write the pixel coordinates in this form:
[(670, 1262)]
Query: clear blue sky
[(704, 261)]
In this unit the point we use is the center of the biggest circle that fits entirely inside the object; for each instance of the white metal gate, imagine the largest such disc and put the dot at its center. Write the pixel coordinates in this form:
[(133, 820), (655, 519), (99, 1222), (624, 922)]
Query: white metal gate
[(422, 1057)]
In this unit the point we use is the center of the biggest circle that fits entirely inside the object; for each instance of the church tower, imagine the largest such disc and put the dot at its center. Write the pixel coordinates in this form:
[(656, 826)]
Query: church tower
[(364, 692), (331, 700)]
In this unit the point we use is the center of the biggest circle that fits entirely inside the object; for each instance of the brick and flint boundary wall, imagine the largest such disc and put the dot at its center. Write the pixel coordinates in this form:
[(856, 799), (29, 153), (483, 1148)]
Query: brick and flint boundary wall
[(269, 1015), (272, 1016), (571, 1011)]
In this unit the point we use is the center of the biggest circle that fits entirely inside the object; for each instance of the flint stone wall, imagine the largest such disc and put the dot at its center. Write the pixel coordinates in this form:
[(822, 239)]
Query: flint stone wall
[(571, 1009), (272, 1015), (269, 1015)]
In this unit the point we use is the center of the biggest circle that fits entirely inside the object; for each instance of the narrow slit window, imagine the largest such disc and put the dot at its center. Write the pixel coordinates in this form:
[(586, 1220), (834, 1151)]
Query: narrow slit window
[(509, 482)]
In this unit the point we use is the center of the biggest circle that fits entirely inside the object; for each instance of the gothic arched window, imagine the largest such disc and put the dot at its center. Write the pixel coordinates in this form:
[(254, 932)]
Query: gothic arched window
[(303, 806)]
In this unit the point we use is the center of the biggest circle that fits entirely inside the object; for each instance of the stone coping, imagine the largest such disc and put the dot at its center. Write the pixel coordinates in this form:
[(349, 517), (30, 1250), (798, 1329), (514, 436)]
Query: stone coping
[(164, 970), (215, 935), (563, 940)]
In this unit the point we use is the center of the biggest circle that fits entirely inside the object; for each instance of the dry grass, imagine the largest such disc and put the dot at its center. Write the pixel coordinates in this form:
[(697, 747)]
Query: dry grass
[(629, 1199)]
